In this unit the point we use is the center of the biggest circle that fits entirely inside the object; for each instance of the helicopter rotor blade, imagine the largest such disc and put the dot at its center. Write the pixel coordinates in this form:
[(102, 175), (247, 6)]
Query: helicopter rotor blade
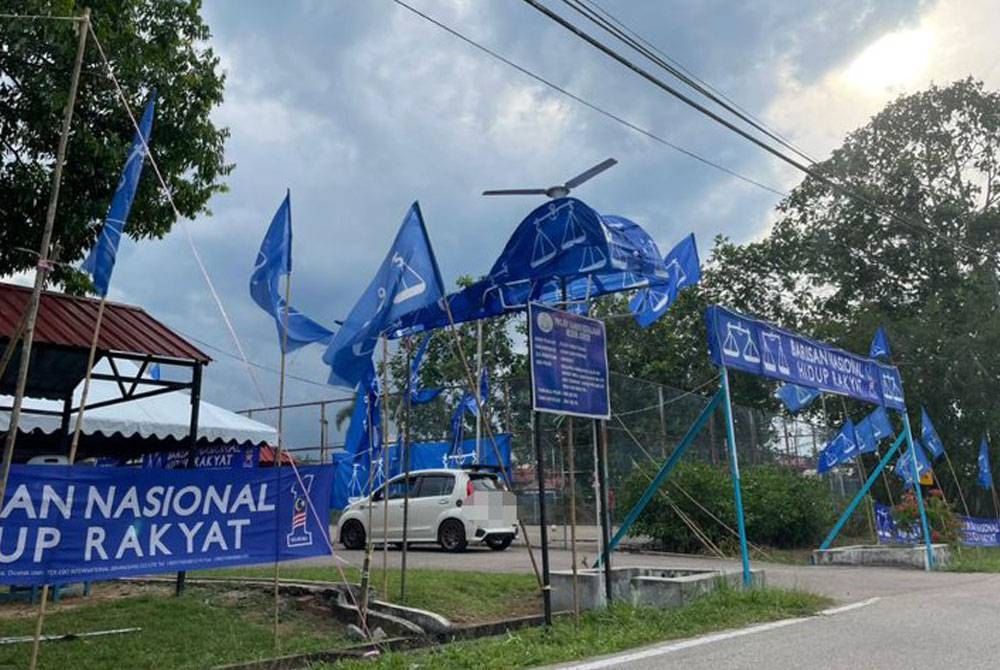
[(517, 191), (592, 172)]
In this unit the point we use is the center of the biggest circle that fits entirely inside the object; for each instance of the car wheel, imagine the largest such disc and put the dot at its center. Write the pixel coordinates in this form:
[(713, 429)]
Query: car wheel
[(499, 542), (451, 535), (352, 535)]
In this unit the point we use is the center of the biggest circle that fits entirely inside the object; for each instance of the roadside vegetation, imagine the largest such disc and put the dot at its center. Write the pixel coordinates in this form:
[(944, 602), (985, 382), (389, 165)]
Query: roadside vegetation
[(975, 559), (603, 632)]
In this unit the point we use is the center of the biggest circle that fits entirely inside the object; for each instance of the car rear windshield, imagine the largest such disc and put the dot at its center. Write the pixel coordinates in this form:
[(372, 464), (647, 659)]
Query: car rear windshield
[(483, 483)]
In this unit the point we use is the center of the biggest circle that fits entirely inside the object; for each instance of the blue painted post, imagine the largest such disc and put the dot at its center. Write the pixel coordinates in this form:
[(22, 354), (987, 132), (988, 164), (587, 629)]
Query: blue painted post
[(862, 493), (734, 468), (654, 485), (916, 489)]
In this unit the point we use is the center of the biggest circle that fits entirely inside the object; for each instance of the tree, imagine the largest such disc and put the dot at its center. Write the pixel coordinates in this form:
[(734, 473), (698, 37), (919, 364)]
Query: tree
[(836, 267), (151, 44)]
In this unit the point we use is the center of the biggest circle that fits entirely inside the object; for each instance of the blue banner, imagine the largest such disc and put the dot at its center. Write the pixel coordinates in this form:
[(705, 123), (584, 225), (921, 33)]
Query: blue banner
[(569, 363), (976, 532), (74, 523), (216, 458), (743, 343)]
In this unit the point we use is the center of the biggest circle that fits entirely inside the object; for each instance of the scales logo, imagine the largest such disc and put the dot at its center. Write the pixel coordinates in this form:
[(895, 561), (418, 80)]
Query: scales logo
[(544, 322), (300, 536)]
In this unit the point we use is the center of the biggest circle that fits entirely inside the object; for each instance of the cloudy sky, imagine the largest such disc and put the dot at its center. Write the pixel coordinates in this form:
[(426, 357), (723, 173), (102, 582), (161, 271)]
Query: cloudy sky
[(360, 108)]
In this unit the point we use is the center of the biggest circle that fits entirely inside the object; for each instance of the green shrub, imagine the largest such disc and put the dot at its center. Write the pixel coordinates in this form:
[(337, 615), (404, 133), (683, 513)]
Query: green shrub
[(783, 509)]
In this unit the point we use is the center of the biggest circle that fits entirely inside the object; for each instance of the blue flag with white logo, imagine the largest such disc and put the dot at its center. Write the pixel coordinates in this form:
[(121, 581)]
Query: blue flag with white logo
[(865, 436), (407, 280), (880, 345), (904, 466), (985, 478), (879, 420), (273, 261), (930, 436), (100, 263), (796, 398), (420, 396), (683, 269), (843, 447)]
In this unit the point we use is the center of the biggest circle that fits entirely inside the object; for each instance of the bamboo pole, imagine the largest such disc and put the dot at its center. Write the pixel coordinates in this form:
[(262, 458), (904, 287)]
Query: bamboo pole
[(385, 467), (958, 484), (32, 312), (487, 424), (278, 456), (78, 425), (405, 455)]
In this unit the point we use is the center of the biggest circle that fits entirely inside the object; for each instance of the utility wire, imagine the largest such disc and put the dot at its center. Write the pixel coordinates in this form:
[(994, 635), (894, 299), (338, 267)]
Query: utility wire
[(41, 17), (619, 30), (590, 105), (777, 153)]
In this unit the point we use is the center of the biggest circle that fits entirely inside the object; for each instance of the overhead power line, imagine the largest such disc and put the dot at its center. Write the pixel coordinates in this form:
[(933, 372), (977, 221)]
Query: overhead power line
[(615, 27), (590, 105), (777, 153)]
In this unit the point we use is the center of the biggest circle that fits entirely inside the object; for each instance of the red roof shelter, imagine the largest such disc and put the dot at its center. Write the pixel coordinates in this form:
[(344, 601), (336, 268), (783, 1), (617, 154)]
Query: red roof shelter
[(63, 333)]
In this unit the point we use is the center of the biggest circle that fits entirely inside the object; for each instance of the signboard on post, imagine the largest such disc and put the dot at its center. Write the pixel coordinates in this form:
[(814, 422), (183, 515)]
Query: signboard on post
[(569, 363), (740, 342)]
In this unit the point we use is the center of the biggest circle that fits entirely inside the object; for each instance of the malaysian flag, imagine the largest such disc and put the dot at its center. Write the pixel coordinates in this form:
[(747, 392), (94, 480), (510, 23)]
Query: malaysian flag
[(299, 515)]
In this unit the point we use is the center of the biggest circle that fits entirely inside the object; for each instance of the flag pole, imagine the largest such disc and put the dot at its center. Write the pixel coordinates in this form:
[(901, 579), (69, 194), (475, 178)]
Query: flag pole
[(958, 484), (42, 267), (366, 564), (385, 466), (405, 455), (278, 453), (31, 314), (473, 383), (78, 425)]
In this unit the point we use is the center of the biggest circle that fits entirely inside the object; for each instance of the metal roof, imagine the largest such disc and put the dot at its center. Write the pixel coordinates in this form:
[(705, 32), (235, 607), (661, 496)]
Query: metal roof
[(68, 321)]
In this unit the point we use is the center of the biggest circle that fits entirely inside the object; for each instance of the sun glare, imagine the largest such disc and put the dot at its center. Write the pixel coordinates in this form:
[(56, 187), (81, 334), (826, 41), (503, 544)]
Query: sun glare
[(891, 64)]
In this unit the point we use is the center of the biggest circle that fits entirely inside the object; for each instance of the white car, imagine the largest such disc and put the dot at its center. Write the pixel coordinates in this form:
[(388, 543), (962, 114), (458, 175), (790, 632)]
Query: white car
[(447, 507)]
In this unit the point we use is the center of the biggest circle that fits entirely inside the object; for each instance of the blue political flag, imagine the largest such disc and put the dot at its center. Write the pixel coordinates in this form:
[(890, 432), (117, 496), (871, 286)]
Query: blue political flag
[(154, 371), (421, 396), (274, 260), (468, 404), (562, 251), (880, 345), (865, 436), (407, 280), (683, 269), (796, 398), (100, 262), (985, 477), (930, 436), (904, 466), (363, 432), (843, 447), (879, 420)]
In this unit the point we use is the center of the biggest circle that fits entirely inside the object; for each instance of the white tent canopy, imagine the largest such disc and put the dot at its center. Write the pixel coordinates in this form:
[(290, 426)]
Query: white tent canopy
[(163, 416)]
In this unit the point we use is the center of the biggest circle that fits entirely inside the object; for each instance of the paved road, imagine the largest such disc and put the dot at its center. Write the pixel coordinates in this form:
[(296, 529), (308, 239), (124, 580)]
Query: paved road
[(927, 620)]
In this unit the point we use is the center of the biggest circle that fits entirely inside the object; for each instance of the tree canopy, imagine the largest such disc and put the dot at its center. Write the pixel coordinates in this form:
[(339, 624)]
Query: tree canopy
[(159, 44), (835, 267)]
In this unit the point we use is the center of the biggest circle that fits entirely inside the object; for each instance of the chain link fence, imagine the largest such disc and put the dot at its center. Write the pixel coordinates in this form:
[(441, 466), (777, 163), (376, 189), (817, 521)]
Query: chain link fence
[(648, 422)]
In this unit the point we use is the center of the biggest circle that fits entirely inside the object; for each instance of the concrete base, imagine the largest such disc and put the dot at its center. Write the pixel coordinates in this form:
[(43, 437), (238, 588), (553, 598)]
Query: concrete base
[(902, 556), (648, 587)]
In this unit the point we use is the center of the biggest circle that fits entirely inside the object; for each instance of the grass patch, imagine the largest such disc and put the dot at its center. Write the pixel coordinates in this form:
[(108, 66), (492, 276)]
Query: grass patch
[(202, 628), (462, 597), (605, 632), (975, 559)]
